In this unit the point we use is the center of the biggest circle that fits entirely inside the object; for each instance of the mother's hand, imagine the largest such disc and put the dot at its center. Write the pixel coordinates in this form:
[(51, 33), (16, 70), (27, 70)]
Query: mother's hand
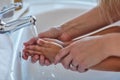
[(63, 33), (85, 53)]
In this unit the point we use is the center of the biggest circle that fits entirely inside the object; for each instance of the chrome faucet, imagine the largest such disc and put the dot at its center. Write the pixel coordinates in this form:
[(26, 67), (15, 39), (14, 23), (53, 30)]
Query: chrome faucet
[(12, 26), (8, 10), (17, 24)]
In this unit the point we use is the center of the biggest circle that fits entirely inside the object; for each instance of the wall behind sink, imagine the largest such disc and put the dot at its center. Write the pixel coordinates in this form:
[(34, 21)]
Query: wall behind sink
[(36, 1), (4, 2)]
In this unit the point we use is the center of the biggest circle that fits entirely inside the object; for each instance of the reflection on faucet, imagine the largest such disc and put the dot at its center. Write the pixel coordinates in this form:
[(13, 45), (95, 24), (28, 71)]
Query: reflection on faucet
[(8, 11), (17, 24)]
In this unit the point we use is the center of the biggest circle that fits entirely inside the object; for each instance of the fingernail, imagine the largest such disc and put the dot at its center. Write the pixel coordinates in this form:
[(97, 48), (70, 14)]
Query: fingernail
[(27, 54), (55, 61), (24, 57), (24, 43)]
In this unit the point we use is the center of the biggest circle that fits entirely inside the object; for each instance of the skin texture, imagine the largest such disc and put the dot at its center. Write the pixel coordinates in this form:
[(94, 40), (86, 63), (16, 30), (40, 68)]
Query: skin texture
[(79, 26), (89, 51), (47, 47)]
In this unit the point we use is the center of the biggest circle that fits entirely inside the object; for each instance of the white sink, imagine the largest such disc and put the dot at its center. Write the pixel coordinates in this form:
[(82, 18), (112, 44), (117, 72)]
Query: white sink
[(54, 16)]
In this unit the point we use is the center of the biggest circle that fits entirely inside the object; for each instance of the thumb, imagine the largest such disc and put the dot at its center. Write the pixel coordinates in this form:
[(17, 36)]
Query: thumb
[(62, 54), (31, 41)]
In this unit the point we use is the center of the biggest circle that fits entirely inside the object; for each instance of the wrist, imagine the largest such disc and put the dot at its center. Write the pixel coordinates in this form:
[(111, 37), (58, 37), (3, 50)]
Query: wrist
[(113, 44)]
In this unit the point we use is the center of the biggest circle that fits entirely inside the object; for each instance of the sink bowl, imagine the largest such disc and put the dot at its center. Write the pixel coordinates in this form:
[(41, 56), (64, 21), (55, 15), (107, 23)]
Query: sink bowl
[(52, 17)]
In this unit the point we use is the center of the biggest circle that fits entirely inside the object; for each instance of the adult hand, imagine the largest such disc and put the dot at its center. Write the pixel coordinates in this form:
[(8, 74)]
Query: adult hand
[(87, 52), (64, 33)]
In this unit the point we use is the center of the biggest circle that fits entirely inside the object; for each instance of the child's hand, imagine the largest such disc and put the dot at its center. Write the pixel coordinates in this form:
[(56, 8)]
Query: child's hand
[(34, 58), (48, 48), (25, 54)]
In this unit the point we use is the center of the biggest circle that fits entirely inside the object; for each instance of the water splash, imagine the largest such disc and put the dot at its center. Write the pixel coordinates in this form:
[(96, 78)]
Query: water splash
[(39, 71), (34, 31)]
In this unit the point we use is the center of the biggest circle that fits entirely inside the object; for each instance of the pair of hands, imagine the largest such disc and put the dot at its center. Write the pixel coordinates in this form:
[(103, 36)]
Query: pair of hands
[(82, 54), (34, 57), (91, 52), (54, 33)]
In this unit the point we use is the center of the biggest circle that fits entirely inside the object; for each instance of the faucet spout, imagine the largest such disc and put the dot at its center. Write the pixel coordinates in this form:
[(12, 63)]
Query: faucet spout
[(17, 24)]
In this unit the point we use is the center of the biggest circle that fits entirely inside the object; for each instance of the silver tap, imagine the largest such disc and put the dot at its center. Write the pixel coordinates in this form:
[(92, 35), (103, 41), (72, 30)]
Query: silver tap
[(17, 24), (8, 10)]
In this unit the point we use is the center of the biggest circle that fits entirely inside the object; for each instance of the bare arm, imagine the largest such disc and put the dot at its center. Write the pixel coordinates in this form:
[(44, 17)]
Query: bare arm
[(111, 63), (86, 23)]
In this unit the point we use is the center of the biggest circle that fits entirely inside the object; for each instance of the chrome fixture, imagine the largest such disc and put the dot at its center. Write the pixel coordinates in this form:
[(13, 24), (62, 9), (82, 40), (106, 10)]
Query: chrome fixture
[(8, 10), (17, 24)]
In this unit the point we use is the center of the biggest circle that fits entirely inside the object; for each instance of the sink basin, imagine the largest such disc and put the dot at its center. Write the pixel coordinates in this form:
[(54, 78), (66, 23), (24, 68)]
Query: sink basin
[(53, 16)]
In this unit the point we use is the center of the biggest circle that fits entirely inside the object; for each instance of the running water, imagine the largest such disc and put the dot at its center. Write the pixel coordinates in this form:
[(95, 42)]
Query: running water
[(34, 31), (43, 72)]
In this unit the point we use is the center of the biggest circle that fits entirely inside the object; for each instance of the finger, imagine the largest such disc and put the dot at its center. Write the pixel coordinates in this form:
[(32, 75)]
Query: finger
[(31, 41), (35, 58), (43, 43), (42, 60), (25, 55), (64, 52), (74, 66), (40, 42), (25, 52), (67, 61), (36, 48), (53, 40), (81, 69), (49, 39), (31, 52), (70, 34), (47, 62), (32, 59)]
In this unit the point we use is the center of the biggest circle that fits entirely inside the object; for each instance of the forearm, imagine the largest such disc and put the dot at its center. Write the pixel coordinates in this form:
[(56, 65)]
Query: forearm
[(113, 29), (112, 63), (88, 22), (109, 64)]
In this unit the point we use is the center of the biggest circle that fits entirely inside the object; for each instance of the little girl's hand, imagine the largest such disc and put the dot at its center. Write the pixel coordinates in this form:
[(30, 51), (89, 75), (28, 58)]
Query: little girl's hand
[(34, 58), (46, 48)]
